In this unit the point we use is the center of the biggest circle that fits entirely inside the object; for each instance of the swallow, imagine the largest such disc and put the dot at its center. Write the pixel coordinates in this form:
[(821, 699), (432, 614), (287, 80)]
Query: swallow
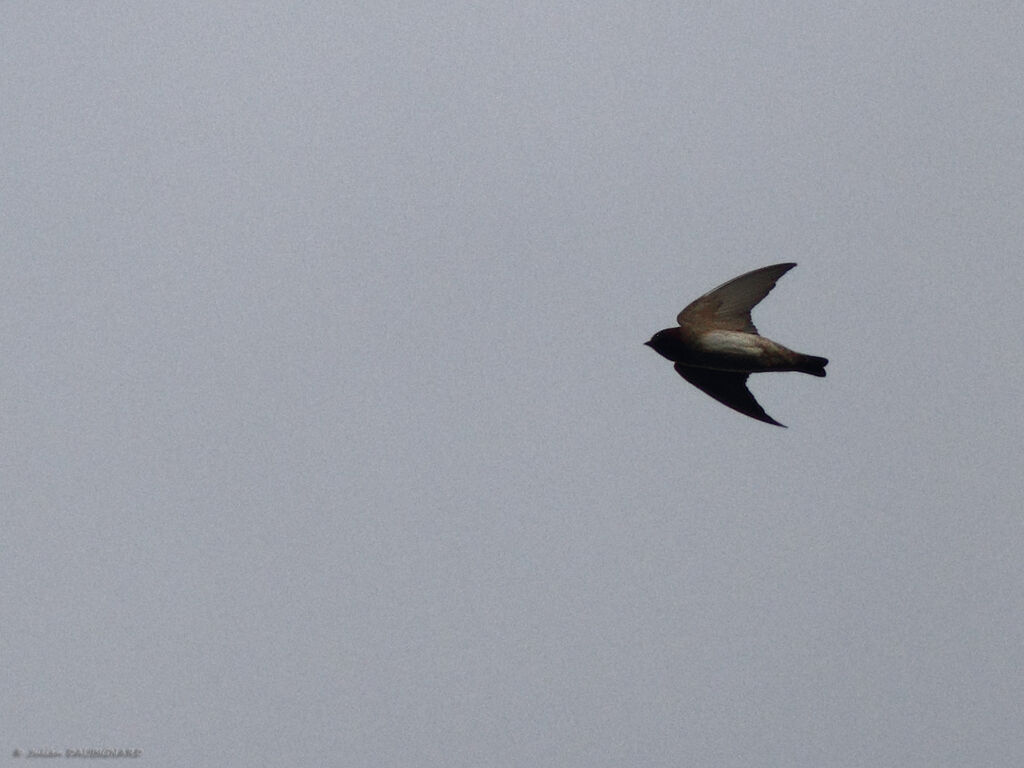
[(716, 346)]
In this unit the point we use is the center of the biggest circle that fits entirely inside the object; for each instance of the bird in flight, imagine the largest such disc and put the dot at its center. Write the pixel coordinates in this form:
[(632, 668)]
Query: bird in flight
[(716, 346)]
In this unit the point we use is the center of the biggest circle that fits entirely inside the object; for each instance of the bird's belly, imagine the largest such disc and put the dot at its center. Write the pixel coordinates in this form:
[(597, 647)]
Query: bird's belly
[(734, 351)]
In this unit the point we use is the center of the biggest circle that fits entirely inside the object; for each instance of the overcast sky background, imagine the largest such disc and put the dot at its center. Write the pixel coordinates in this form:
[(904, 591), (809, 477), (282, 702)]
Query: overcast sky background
[(329, 435)]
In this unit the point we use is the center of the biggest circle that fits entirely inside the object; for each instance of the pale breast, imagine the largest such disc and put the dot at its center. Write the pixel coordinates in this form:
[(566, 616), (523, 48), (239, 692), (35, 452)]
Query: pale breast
[(732, 343), (737, 351)]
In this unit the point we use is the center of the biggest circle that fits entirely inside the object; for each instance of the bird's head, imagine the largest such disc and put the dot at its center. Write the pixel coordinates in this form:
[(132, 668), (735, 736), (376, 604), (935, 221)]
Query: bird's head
[(665, 343)]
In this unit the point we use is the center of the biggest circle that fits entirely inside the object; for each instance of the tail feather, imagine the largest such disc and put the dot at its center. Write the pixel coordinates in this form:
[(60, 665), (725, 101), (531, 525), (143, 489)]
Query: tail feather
[(813, 365)]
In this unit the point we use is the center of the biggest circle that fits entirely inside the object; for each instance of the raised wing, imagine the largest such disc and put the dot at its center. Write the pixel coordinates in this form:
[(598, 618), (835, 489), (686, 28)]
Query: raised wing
[(728, 306), (728, 388)]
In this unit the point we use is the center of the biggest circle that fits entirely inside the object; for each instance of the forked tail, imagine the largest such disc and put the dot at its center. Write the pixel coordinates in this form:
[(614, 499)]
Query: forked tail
[(813, 365)]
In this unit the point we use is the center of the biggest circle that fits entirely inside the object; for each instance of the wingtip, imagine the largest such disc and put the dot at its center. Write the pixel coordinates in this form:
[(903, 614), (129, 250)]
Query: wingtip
[(769, 420)]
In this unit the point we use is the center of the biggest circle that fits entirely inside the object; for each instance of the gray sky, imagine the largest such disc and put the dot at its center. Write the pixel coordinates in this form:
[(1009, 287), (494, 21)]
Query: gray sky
[(329, 436)]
